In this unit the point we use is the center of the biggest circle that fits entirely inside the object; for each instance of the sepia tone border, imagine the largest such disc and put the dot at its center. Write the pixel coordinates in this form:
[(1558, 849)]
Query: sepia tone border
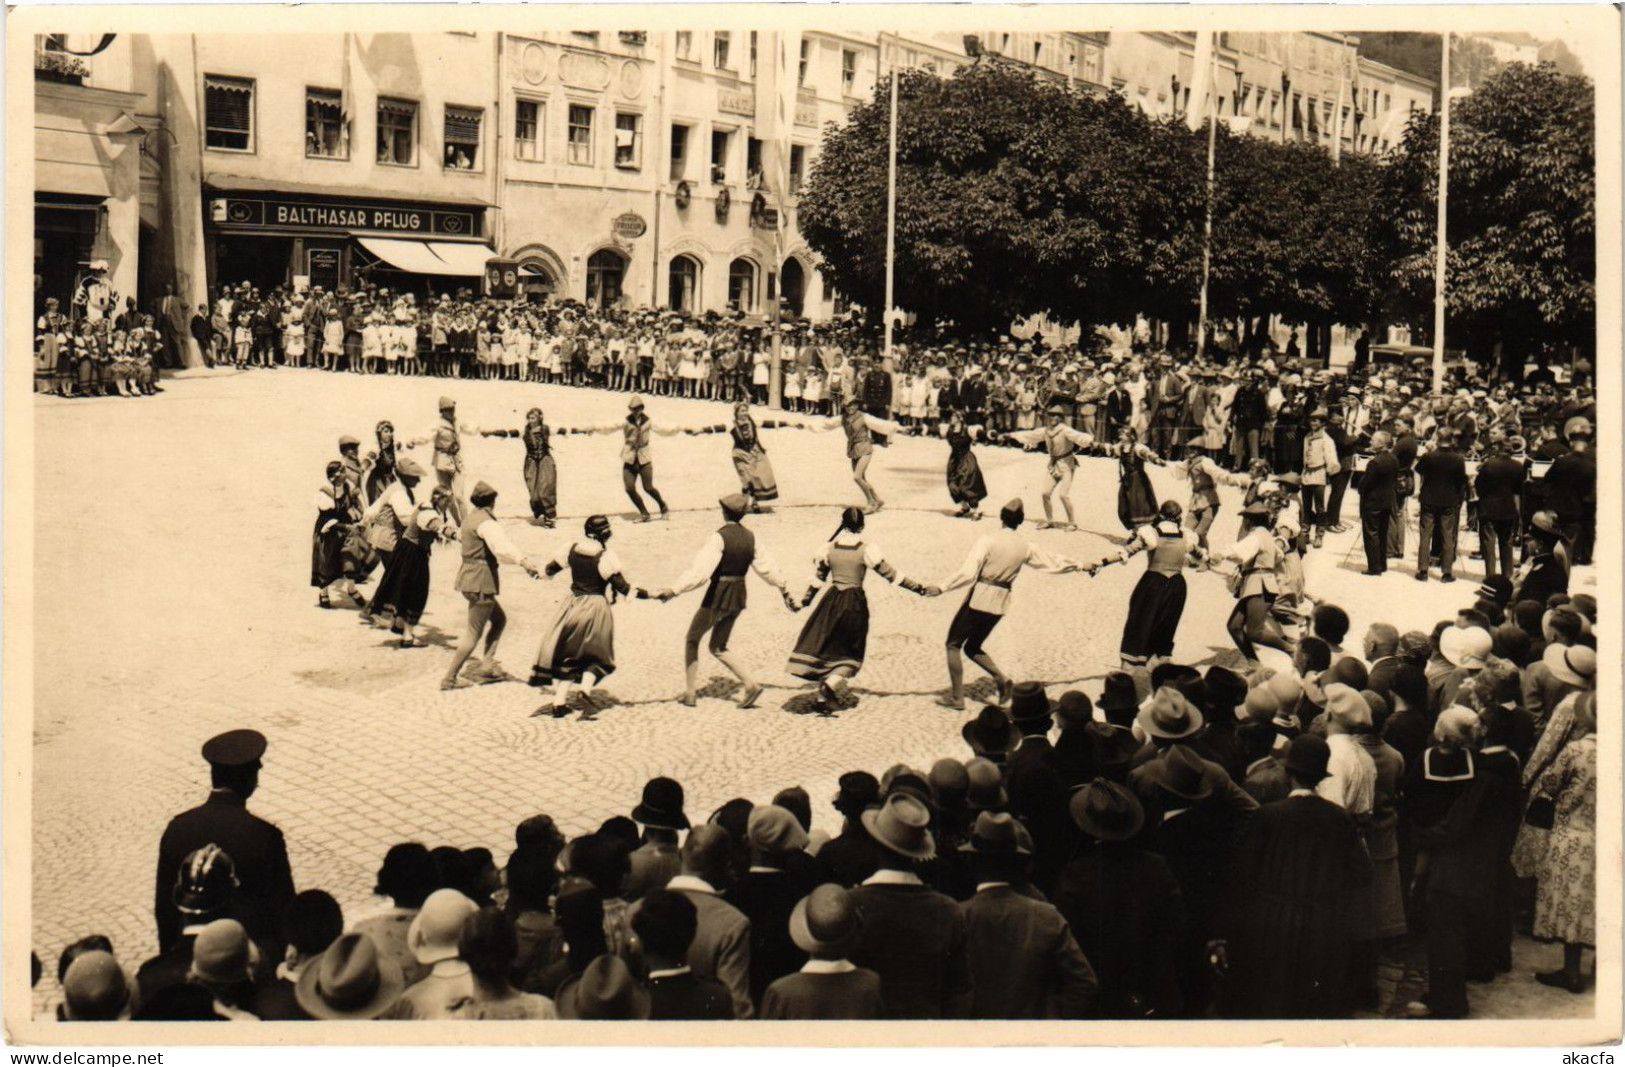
[(1595, 35)]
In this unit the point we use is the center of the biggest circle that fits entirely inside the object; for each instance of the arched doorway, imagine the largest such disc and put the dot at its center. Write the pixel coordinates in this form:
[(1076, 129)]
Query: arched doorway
[(536, 281), (742, 285), (793, 286), (606, 271), (683, 291)]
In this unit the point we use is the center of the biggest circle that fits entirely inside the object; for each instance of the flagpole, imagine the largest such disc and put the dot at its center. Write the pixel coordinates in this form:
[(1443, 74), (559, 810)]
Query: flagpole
[(1207, 222), (1337, 116), (1441, 247), (891, 211), (775, 366)]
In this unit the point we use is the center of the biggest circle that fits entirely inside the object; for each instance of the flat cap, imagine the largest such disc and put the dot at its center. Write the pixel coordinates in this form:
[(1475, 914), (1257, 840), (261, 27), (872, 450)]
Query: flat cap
[(234, 748)]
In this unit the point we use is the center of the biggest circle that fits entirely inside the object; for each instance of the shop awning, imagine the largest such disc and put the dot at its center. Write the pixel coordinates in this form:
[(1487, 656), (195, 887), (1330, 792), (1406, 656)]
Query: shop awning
[(461, 258), (415, 257)]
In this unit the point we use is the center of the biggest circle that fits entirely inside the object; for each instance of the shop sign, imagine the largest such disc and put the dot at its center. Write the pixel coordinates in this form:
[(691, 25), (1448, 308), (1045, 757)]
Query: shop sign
[(630, 226), (736, 102), (277, 213)]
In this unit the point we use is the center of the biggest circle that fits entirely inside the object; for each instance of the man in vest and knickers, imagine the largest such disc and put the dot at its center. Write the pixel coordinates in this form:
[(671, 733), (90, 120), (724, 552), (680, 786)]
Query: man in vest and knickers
[(637, 455), (1062, 443), (446, 437), (860, 428), (484, 543), (990, 570), (721, 566)]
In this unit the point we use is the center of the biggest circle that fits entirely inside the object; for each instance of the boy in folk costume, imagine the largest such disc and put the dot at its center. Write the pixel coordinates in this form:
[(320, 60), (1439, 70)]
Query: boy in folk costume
[(637, 455), (990, 570), (1205, 477), (721, 566), (484, 544), (1062, 443), (860, 428), (445, 434)]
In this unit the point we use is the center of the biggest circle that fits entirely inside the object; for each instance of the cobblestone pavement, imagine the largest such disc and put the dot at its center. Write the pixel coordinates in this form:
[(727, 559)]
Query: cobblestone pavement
[(173, 602)]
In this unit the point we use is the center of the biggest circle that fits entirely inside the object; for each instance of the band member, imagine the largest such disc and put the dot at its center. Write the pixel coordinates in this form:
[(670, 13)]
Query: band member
[(721, 566), (831, 647), (965, 484), (333, 520), (1255, 584), (484, 544), (1062, 443), (637, 456), (580, 646), (378, 469), (860, 428), (1158, 601), (990, 570)]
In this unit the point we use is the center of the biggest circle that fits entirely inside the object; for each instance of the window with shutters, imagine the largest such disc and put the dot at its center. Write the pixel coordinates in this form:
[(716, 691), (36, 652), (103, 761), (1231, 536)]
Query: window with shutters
[(628, 141), (397, 132), (327, 135), (580, 135), (228, 113), (527, 130), (462, 150)]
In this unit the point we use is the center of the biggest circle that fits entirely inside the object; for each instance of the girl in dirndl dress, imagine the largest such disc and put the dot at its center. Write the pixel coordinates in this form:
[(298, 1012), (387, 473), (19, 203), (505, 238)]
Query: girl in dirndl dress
[(1158, 600), (378, 469), (831, 647), (579, 649), (405, 587), (750, 459), (965, 484), (1136, 500)]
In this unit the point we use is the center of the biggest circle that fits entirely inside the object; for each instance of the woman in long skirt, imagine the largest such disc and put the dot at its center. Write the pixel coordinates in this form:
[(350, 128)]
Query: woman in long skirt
[(755, 470), (385, 521), (831, 647), (1158, 601), (965, 484), (405, 589), (541, 473), (327, 567), (579, 648), (1136, 500), (378, 470)]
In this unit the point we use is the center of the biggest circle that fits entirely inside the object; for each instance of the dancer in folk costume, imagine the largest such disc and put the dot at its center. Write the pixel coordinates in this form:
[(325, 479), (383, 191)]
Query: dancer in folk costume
[(965, 484), (384, 521), (484, 544), (1158, 601), (721, 565), (860, 428), (1062, 444), (446, 437), (579, 648), (1256, 584), (404, 590), (541, 472), (637, 455), (1136, 499), (990, 570), (750, 460), (333, 520), (1205, 477), (831, 647), (378, 469)]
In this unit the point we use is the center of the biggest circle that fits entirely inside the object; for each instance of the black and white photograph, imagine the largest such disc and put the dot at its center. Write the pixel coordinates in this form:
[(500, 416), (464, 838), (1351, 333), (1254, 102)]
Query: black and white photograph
[(994, 525)]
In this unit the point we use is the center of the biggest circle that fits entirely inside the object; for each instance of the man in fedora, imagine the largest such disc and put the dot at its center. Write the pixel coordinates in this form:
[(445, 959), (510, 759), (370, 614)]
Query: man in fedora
[(1123, 906), (1119, 702), (349, 981), (605, 992), (258, 853), (721, 565), (1288, 930), (1037, 794), (912, 936), (721, 945), (852, 855), (825, 925), (310, 926), (990, 735), (665, 924), (1024, 961), (657, 860), (990, 570), (1169, 720)]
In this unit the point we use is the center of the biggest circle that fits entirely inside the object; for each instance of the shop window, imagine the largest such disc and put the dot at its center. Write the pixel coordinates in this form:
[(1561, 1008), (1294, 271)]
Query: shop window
[(849, 71), (719, 156), (606, 271), (463, 138), (629, 141), (685, 45), (679, 152), (801, 65), (683, 289), (798, 167), (327, 135), (742, 285), (580, 135), (527, 130), (719, 49), (228, 109), (397, 132), (755, 178)]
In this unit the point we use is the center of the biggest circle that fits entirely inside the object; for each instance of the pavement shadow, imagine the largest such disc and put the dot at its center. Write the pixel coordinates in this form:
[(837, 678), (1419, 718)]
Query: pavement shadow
[(807, 702)]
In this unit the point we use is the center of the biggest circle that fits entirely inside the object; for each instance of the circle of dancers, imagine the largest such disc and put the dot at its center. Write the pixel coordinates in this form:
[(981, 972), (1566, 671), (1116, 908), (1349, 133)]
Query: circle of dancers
[(378, 511)]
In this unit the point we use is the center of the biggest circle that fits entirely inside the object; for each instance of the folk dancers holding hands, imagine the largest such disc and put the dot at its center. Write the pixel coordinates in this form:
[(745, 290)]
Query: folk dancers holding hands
[(1158, 600), (860, 428), (484, 544), (541, 472), (1062, 443)]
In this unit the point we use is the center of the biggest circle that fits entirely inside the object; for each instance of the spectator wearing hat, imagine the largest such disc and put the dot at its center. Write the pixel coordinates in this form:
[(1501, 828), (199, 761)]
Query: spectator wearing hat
[(1564, 668), (1024, 961), (349, 981), (1565, 902), (406, 878), (1443, 491), (912, 936), (721, 566), (1571, 490), (1383, 909), (1168, 721), (990, 735), (311, 924), (1547, 561), (852, 855), (434, 938), (1351, 774), (665, 923), (1499, 485), (1503, 772), (657, 859), (96, 988), (226, 963), (1466, 650), (488, 946), (990, 570), (825, 925), (1033, 779), (259, 856), (768, 892), (1119, 702), (722, 939), (1265, 778), (604, 992), (1287, 928)]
